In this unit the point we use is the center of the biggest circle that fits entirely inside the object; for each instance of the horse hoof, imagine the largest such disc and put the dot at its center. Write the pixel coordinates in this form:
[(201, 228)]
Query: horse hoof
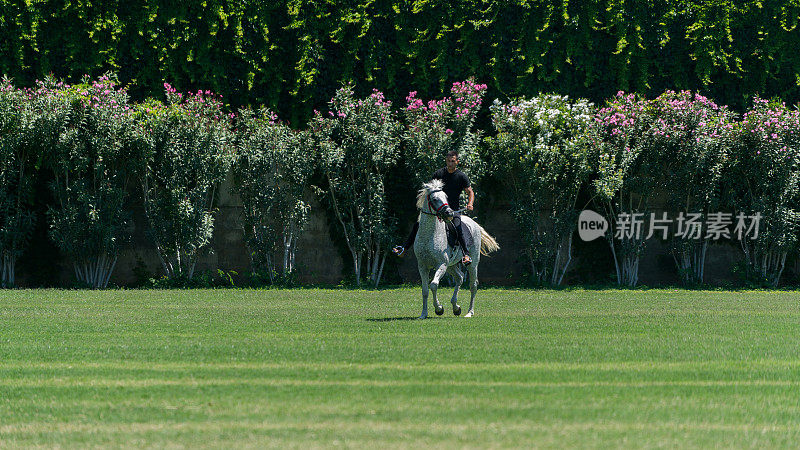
[(422, 317), (469, 314), (457, 310), (440, 310)]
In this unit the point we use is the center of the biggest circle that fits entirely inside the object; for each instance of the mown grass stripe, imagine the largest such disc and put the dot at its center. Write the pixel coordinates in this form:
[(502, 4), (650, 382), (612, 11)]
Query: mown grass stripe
[(150, 382), (377, 426), (409, 366)]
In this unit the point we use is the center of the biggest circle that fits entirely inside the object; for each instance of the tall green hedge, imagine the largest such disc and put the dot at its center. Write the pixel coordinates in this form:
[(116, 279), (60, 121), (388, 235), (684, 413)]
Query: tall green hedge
[(290, 55)]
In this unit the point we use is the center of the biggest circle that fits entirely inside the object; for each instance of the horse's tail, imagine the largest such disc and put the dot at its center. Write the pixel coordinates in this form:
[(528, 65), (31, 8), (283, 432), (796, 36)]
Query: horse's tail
[(488, 244)]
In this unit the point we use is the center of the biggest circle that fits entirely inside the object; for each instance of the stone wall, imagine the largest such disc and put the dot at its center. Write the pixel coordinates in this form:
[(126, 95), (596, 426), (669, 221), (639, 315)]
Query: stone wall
[(319, 261)]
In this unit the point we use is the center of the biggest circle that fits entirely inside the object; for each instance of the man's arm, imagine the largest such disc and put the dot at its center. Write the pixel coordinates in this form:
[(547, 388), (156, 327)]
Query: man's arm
[(471, 194)]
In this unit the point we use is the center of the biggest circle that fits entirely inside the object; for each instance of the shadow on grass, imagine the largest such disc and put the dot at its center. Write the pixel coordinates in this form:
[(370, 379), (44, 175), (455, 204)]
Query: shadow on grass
[(391, 319)]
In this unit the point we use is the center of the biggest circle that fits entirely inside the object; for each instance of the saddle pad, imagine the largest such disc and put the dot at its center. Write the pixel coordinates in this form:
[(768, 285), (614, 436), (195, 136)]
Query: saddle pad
[(452, 239)]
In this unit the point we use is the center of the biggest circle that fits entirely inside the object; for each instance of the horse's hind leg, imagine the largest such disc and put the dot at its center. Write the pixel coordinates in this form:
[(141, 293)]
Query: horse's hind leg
[(473, 288), (459, 278)]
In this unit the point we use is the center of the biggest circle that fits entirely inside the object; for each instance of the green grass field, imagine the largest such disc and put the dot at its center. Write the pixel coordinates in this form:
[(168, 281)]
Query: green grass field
[(320, 368)]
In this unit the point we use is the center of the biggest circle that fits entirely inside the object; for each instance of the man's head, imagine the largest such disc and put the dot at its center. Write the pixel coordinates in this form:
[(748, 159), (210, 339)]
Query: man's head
[(452, 161)]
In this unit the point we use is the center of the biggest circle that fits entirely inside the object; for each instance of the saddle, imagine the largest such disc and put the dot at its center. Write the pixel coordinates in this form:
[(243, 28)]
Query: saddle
[(452, 237)]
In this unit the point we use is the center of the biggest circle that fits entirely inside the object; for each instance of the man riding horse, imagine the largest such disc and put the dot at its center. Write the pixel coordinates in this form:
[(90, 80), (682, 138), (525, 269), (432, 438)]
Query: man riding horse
[(455, 181)]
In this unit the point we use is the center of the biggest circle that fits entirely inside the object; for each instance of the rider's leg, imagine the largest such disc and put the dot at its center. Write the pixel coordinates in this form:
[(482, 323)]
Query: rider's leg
[(466, 260), (400, 250)]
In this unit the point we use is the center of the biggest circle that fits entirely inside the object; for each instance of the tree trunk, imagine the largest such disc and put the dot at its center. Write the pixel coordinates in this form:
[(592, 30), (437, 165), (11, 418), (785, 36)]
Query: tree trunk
[(569, 260), (380, 272), (8, 262), (96, 271), (357, 266), (287, 240)]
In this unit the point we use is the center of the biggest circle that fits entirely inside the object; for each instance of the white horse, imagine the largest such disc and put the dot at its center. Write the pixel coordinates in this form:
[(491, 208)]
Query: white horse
[(433, 252)]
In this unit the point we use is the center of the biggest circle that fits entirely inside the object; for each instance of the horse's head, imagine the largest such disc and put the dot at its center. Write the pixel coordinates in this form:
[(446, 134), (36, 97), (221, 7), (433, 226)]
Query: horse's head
[(432, 199)]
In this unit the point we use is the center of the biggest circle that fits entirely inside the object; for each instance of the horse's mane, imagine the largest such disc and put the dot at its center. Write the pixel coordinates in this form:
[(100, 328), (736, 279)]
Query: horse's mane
[(433, 185)]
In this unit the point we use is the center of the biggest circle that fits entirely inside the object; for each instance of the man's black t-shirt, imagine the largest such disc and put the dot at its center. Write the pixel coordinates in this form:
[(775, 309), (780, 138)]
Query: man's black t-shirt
[(454, 183)]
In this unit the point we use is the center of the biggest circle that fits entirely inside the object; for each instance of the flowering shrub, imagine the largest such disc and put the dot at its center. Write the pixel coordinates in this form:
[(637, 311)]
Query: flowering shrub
[(680, 147), (439, 126), (272, 169), (358, 143), (690, 137), (763, 177), (541, 151), (19, 149), (186, 153), (627, 173), (93, 163)]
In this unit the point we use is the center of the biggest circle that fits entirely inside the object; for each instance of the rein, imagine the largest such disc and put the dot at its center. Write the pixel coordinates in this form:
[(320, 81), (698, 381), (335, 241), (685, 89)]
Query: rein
[(434, 214), (437, 210)]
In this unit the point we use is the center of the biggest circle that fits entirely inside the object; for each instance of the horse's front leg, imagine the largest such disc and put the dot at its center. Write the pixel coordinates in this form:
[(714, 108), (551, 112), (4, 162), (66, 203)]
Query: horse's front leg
[(459, 278), (423, 275), (440, 271)]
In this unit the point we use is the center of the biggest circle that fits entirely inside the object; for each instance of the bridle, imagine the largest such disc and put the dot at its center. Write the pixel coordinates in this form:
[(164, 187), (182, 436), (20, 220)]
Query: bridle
[(436, 211)]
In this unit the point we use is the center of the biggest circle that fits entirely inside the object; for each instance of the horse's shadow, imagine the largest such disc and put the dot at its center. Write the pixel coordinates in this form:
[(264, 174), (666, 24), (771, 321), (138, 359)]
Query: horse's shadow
[(390, 319)]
